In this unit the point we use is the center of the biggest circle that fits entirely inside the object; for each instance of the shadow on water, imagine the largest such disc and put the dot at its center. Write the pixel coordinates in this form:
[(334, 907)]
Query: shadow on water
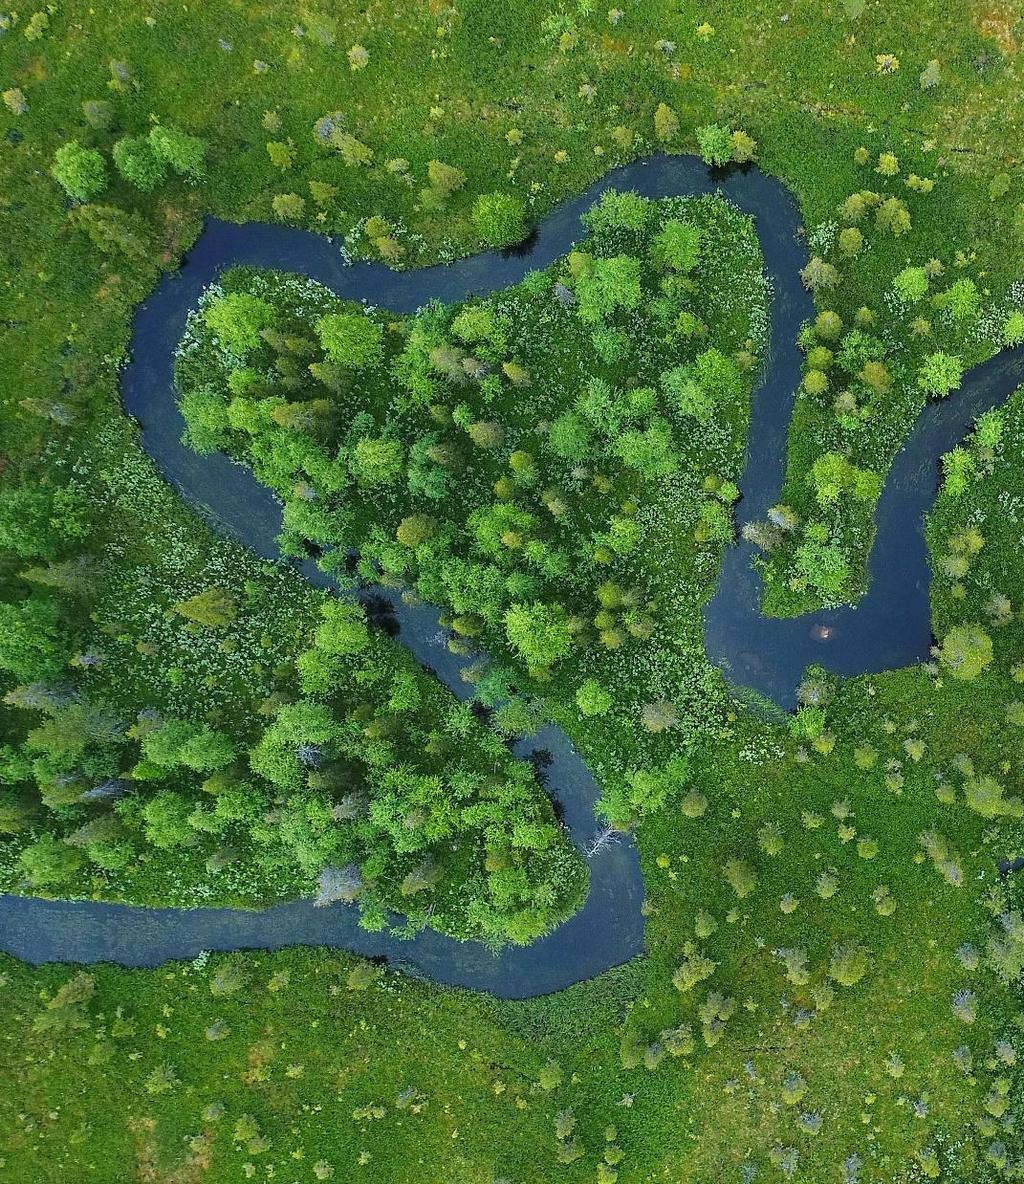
[(380, 613), (523, 249), (889, 628)]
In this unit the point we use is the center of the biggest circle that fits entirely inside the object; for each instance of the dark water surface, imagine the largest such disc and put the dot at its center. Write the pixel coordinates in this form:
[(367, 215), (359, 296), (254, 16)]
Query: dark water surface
[(889, 628)]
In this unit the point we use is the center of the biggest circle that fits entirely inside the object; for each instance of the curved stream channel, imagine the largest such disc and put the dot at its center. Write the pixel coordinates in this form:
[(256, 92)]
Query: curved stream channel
[(890, 627)]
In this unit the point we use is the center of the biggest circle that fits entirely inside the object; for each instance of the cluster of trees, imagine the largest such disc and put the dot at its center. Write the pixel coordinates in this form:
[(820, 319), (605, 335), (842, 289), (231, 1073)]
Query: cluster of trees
[(973, 532), (440, 452), (143, 161), (498, 218), (368, 781), (362, 780), (393, 794), (850, 367), (49, 588), (862, 389), (819, 960)]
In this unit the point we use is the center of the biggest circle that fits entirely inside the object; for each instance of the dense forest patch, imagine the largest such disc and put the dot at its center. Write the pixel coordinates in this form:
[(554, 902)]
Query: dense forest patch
[(554, 466)]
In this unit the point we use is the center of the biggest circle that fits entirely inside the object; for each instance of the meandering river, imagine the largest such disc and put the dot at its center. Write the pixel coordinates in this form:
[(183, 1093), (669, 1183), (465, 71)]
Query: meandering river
[(889, 628)]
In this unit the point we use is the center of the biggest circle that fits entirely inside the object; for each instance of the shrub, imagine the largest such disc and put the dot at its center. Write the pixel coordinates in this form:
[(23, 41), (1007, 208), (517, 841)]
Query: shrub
[(958, 468), (818, 274), (1005, 948), (592, 698), (985, 796), (183, 153), (851, 241), (500, 219), (214, 607), (606, 285), (965, 1006), (824, 567), (849, 963), (677, 246), (999, 186), (714, 143), (961, 300), (137, 162), (832, 475), (855, 208), (113, 231), (770, 838), (162, 1079), (354, 152), (666, 123), (228, 978), (1013, 329), (911, 284), (740, 876), (893, 215), (659, 716), (538, 632), (445, 179), (322, 193), (794, 1087), (744, 147), (695, 805), (966, 651), (931, 75), (828, 325), (14, 101), (694, 969), (48, 862), (98, 114), (679, 1041), (81, 172), (281, 153), (288, 206), (619, 211)]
